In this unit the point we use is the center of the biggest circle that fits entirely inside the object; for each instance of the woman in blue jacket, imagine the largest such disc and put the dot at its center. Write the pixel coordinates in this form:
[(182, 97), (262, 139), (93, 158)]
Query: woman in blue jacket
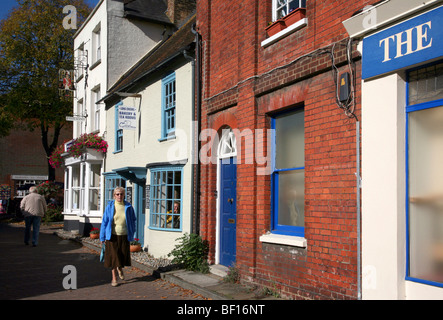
[(117, 230)]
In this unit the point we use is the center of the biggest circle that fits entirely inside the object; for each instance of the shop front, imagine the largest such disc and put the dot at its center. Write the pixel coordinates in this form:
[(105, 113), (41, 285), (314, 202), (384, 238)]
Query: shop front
[(402, 139)]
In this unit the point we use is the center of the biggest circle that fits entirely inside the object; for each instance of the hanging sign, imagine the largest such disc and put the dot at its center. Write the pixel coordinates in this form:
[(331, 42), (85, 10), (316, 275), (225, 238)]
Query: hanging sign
[(127, 118), (66, 86), (76, 118)]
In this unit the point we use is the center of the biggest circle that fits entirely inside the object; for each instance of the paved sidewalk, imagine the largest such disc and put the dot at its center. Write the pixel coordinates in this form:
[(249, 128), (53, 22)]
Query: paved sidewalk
[(36, 273)]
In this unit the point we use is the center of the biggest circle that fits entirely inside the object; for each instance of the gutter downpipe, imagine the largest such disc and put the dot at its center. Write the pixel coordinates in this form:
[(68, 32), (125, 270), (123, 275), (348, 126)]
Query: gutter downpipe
[(359, 281), (197, 76), (192, 60)]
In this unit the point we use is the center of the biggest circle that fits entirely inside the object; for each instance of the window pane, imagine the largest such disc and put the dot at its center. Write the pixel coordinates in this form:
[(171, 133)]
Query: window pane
[(94, 198), (95, 175), (426, 84), (426, 194), (290, 140), (165, 200), (291, 198)]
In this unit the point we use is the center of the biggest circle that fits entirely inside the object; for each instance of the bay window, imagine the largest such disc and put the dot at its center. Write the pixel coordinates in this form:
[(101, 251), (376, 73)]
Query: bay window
[(166, 198)]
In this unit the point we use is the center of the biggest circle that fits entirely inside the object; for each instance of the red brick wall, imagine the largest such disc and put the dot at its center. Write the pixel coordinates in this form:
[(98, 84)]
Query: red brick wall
[(22, 153), (241, 89)]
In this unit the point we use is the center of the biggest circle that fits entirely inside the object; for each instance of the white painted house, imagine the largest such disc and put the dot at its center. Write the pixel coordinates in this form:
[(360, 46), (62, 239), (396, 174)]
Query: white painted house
[(114, 36), (149, 116)]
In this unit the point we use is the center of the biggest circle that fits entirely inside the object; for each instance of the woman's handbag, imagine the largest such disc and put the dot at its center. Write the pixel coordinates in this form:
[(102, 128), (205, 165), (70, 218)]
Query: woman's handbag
[(102, 253)]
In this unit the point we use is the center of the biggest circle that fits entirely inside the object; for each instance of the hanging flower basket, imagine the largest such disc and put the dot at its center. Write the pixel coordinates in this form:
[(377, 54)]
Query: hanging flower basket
[(275, 27), (78, 147)]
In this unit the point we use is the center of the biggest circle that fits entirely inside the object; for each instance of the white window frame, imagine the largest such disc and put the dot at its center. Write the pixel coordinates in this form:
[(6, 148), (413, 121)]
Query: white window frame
[(95, 107), (96, 42), (276, 6)]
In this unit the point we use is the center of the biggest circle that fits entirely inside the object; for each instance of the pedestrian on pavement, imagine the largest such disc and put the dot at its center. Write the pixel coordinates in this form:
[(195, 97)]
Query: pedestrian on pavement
[(116, 232), (33, 207)]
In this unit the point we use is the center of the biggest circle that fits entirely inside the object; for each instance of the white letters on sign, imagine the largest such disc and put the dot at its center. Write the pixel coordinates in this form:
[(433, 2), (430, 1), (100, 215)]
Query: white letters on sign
[(404, 46)]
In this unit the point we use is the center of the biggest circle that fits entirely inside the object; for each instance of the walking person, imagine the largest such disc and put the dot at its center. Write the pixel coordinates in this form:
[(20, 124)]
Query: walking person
[(33, 207), (116, 232)]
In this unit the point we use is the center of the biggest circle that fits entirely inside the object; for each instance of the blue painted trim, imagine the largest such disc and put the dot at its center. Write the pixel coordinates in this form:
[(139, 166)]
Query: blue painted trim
[(165, 131), (151, 196), (409, 109), (275, 227), (427, 282), (111, 176), (116, 147)]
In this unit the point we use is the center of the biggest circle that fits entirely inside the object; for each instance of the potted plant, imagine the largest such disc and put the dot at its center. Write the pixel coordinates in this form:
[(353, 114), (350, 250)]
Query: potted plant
[(275, 27), (294, 15), (94, 233), (135, 246)]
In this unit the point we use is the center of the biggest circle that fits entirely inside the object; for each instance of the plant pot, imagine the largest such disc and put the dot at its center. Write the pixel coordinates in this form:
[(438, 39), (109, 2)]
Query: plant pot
[(294, 16), (94, 235), (135, 248), (276, 27)]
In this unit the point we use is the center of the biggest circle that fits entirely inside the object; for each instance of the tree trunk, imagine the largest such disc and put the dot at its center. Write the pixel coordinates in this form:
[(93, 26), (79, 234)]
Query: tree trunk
[(49, 148)]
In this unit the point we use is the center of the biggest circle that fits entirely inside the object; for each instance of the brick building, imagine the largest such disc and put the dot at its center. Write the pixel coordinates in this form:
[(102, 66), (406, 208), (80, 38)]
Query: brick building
[(23, 160), (280, 144)]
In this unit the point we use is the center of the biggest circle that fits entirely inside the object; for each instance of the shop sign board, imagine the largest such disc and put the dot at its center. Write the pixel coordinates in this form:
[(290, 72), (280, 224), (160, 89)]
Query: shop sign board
[(408, 43)]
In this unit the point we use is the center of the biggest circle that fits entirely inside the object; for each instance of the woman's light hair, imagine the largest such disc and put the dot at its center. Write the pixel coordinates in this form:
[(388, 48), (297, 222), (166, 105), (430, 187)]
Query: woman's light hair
[(119, 189)]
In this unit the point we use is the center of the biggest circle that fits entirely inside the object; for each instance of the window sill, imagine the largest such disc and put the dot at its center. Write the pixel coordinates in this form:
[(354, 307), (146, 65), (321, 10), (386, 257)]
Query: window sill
[(95, 64), (79, 78), (118, 151), (285, 32), (284, 240), (172, 137)]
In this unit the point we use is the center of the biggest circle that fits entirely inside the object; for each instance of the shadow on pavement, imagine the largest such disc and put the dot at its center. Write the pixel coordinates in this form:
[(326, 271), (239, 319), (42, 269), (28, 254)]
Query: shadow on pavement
[(27, 271)]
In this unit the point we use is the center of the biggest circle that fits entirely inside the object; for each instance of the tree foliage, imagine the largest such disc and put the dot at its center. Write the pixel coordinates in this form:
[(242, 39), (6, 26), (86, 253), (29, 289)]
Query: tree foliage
[(34, 46)]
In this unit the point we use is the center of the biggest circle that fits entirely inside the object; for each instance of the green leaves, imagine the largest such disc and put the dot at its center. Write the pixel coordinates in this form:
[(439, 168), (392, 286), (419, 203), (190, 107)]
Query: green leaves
[(192, 252)]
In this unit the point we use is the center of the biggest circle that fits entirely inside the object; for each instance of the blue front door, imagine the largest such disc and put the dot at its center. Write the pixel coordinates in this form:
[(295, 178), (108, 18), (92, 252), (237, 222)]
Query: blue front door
[(139, 207), (228, 203)]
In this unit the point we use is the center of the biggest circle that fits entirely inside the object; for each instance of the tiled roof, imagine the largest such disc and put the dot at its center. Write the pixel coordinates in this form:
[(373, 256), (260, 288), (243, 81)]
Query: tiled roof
[(151, 10), (157, 57)]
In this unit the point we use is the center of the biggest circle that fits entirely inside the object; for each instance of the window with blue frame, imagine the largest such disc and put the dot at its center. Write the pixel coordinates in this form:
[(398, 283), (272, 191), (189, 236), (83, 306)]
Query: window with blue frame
[(168, 106), (119, 140), (288, 173), (112, 181), (425, 175), (118, 145), (166, 198)]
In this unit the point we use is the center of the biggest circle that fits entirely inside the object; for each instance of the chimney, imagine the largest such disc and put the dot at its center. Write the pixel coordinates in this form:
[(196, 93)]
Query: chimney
[(179, 10)]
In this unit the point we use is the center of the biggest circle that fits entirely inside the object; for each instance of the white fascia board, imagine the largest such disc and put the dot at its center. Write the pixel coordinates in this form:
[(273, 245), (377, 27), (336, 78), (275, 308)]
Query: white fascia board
[(373, 18)]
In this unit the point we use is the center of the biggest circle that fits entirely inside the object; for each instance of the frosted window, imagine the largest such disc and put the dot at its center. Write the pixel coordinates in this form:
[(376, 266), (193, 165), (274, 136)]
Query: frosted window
[(290, 141), (291, 198), (426, 194)]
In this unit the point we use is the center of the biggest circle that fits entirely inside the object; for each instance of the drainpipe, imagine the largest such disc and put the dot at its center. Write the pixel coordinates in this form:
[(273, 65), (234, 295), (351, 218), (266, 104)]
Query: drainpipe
[(359, 288), (196, 209), (192, 60)]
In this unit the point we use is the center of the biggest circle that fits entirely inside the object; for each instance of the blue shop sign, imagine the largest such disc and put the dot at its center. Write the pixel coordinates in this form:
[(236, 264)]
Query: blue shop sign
[(414, 41)]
